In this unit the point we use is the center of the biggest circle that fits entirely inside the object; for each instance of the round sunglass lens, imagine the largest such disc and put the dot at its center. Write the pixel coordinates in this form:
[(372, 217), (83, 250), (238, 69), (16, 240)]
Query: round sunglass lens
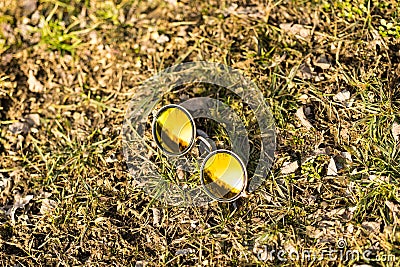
[(223, 175), (173, 130)]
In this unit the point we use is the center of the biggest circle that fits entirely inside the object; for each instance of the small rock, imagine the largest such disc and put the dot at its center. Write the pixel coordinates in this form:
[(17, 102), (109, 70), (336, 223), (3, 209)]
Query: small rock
[(28, 6), (162, 39), (19, 128), (141, 264), (172, 2), (350, 228), (185, 251), (25, 32), (25, 20), (33, 119), (105, 130), (180, 172), (5, 59), (34, 85), (290, 167), (94, 39), (35, 17), (319, 78), (307, 111)]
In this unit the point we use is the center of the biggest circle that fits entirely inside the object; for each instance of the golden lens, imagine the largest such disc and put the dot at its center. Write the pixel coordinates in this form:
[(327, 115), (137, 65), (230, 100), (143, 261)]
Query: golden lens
[(174, 130), (223, 175)]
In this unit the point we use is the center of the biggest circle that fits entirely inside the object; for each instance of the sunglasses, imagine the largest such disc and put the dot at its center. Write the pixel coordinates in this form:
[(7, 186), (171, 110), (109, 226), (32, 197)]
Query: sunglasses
[(223, 174)]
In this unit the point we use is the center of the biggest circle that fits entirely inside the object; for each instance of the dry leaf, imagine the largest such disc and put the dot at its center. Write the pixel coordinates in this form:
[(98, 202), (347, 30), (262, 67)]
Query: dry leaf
[(185, 251), (100, 220), (296, 29), (322, 62), (180, 173), (305, 72), (156, 216), (396, 131), (332, 169), (290, 248), (5, 187), (321, 151), (371, 226), (313, 232), (277, 60), (347, 156), (290, 167), (112, 158), (342, 97), (48, 206), (28, 6), (377, 178), (19, 202), (43, 194), (303, 120), (345, 214), (304, 98), (391, 206)]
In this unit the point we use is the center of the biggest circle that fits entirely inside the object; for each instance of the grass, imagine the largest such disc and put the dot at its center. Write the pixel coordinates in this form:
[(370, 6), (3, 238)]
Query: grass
[(91, 56)]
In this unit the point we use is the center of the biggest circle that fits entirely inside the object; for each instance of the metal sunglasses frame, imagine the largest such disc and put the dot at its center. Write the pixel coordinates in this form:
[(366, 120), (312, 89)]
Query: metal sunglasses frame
[(242, 191), (210, 148), (153, 129)]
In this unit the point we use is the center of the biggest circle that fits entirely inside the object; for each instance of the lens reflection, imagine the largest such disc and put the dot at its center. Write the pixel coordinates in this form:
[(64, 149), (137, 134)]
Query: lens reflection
[(173, 130), (223, 175)]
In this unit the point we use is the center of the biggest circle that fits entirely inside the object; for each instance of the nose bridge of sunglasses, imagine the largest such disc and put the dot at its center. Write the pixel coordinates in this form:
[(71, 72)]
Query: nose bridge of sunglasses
[(223, 114), (205, 143)]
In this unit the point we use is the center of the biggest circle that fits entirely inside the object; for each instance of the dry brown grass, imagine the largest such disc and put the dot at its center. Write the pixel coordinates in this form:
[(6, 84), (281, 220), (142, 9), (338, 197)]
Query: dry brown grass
[(77, 65)]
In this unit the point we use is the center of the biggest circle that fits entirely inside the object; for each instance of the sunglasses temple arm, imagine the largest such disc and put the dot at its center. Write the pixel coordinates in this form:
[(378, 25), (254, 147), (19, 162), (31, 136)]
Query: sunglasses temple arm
[(209, 147)]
